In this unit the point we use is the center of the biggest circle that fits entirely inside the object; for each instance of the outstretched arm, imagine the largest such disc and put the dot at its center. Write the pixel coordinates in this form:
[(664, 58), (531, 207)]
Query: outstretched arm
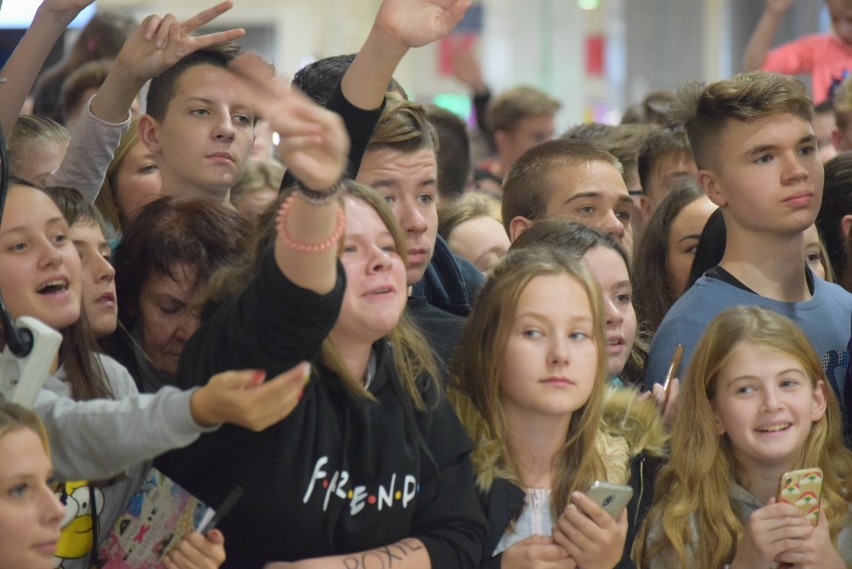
[(404, 554), (22, 68), (763, 34)]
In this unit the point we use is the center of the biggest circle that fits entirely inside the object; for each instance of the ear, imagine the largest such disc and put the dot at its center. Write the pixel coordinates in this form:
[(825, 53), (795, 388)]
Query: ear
[(718, 423), (148, 133), (837, 138), (845, 228), (643, 203), (518, 225), (819, 403), (709, 182), (500, 137)]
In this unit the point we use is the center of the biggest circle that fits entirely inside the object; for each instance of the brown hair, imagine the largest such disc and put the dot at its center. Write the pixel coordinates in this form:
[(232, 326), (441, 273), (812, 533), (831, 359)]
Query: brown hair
[(506, 110), (526, 189), (404, 127), (654, 294), (660, 144), (201, 233), (706, 110), (88, 76), (163, 87)]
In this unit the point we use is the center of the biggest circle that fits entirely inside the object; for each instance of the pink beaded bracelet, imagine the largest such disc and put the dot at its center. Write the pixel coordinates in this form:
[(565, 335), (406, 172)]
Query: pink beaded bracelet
[(308, 247)]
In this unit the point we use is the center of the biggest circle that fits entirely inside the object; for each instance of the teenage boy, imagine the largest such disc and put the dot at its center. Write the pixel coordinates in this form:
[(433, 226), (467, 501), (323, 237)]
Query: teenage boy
[(519, 119), (665, 159), (757, 160), (568, 179)]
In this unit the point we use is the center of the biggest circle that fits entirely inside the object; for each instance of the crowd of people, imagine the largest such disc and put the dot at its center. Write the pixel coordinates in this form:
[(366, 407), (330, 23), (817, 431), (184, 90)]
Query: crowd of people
[(413, 343)]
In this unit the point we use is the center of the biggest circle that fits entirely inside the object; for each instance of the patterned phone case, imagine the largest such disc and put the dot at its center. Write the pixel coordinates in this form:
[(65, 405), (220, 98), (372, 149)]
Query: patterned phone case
[(803, 489)]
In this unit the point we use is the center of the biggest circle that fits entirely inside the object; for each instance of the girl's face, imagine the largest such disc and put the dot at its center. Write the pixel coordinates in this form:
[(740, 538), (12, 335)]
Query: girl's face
[(39, 267), (375, 276), (29, 511), (550, 358), (169, 314), (608, 268), (481, 240), (39, 160), (813, 253), (98, 277), (766, 403), (684, 232), (137, 181)]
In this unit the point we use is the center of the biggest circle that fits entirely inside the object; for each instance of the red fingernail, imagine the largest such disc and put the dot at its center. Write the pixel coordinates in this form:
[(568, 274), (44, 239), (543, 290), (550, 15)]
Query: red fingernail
[(258, 376), (301, 394)]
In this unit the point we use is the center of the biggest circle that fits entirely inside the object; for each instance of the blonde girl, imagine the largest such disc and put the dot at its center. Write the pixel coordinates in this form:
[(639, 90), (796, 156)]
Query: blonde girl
[(755, 404), (529, 386)]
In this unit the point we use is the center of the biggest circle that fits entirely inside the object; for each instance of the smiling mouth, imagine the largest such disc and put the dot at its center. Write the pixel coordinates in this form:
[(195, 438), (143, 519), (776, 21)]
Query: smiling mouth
[(774, 428), (53, 287)]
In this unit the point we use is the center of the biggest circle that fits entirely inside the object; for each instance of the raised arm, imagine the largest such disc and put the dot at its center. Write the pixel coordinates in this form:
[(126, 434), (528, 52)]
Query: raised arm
[(763, 34), (314, 147), (157, 44), (399, 26), (22, 68)]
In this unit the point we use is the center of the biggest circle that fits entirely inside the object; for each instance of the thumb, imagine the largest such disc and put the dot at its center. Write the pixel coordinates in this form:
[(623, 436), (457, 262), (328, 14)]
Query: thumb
[(297, 375), (215, 536)]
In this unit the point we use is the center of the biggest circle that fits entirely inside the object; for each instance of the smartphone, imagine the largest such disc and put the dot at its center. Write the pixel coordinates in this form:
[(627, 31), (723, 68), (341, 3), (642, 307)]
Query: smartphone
[(611, 497), (674, 371), (803, 489)]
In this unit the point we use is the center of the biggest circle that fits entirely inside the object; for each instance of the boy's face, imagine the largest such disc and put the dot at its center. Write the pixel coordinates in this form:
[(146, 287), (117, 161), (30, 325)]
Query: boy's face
[(594, 194), (206, 135), (530, 131), (767, 175), (668, 170), (841, 20), (409, 183)]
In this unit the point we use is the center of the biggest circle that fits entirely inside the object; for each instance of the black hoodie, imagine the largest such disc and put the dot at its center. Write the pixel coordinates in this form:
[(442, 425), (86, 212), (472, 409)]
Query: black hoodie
[(341, 474)]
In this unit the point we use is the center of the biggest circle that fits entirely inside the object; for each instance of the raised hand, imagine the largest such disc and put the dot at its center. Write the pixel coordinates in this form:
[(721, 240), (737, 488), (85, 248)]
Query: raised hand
[(314, 145), (415, 23), (243, 398), (589, 534), (159, 43)]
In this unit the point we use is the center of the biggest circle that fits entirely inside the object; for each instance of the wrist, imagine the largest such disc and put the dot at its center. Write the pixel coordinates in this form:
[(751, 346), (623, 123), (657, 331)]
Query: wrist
[(387, 47), (60, 19), (199, 408)]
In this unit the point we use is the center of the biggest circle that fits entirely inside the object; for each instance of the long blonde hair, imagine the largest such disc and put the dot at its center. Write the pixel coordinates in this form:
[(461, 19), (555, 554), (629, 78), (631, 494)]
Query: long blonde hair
[(476, 376), (700, 528)]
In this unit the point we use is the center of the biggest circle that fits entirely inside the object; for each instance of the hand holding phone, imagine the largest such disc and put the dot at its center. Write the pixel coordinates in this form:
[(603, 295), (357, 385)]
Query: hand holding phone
[(802, 489), (611, 497)]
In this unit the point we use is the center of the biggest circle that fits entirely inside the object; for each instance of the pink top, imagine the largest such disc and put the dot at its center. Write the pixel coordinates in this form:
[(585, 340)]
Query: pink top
[(824, 57)]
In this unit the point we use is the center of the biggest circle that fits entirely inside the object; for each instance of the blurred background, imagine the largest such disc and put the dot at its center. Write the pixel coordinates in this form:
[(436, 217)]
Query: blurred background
[(596, 56)]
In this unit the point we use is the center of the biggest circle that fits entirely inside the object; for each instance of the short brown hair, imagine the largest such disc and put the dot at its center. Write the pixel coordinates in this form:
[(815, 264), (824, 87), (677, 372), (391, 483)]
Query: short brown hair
[(90, 75), (661, 143), (526, 189), (843, 104), (163, 87), (706, 110), (403, 126), (507, 109)]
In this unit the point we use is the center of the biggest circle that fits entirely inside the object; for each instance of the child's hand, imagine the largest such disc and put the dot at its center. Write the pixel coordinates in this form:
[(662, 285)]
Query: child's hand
[(63, 11), (666, 404), (770, 531), (197, 552), (815, 552), (415, 23), (157, 43), (314, 145), (589, 534), (536, 552), (778, 7), (244, 399)]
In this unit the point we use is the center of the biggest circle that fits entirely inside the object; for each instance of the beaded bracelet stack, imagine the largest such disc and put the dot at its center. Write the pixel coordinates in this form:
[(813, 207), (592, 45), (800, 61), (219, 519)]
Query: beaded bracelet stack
[(314, 198)]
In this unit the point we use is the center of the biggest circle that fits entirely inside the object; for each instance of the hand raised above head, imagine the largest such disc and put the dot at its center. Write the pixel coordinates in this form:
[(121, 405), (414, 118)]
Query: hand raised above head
[(779, 6), (314, 145), (158, 43), (415, 23)]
